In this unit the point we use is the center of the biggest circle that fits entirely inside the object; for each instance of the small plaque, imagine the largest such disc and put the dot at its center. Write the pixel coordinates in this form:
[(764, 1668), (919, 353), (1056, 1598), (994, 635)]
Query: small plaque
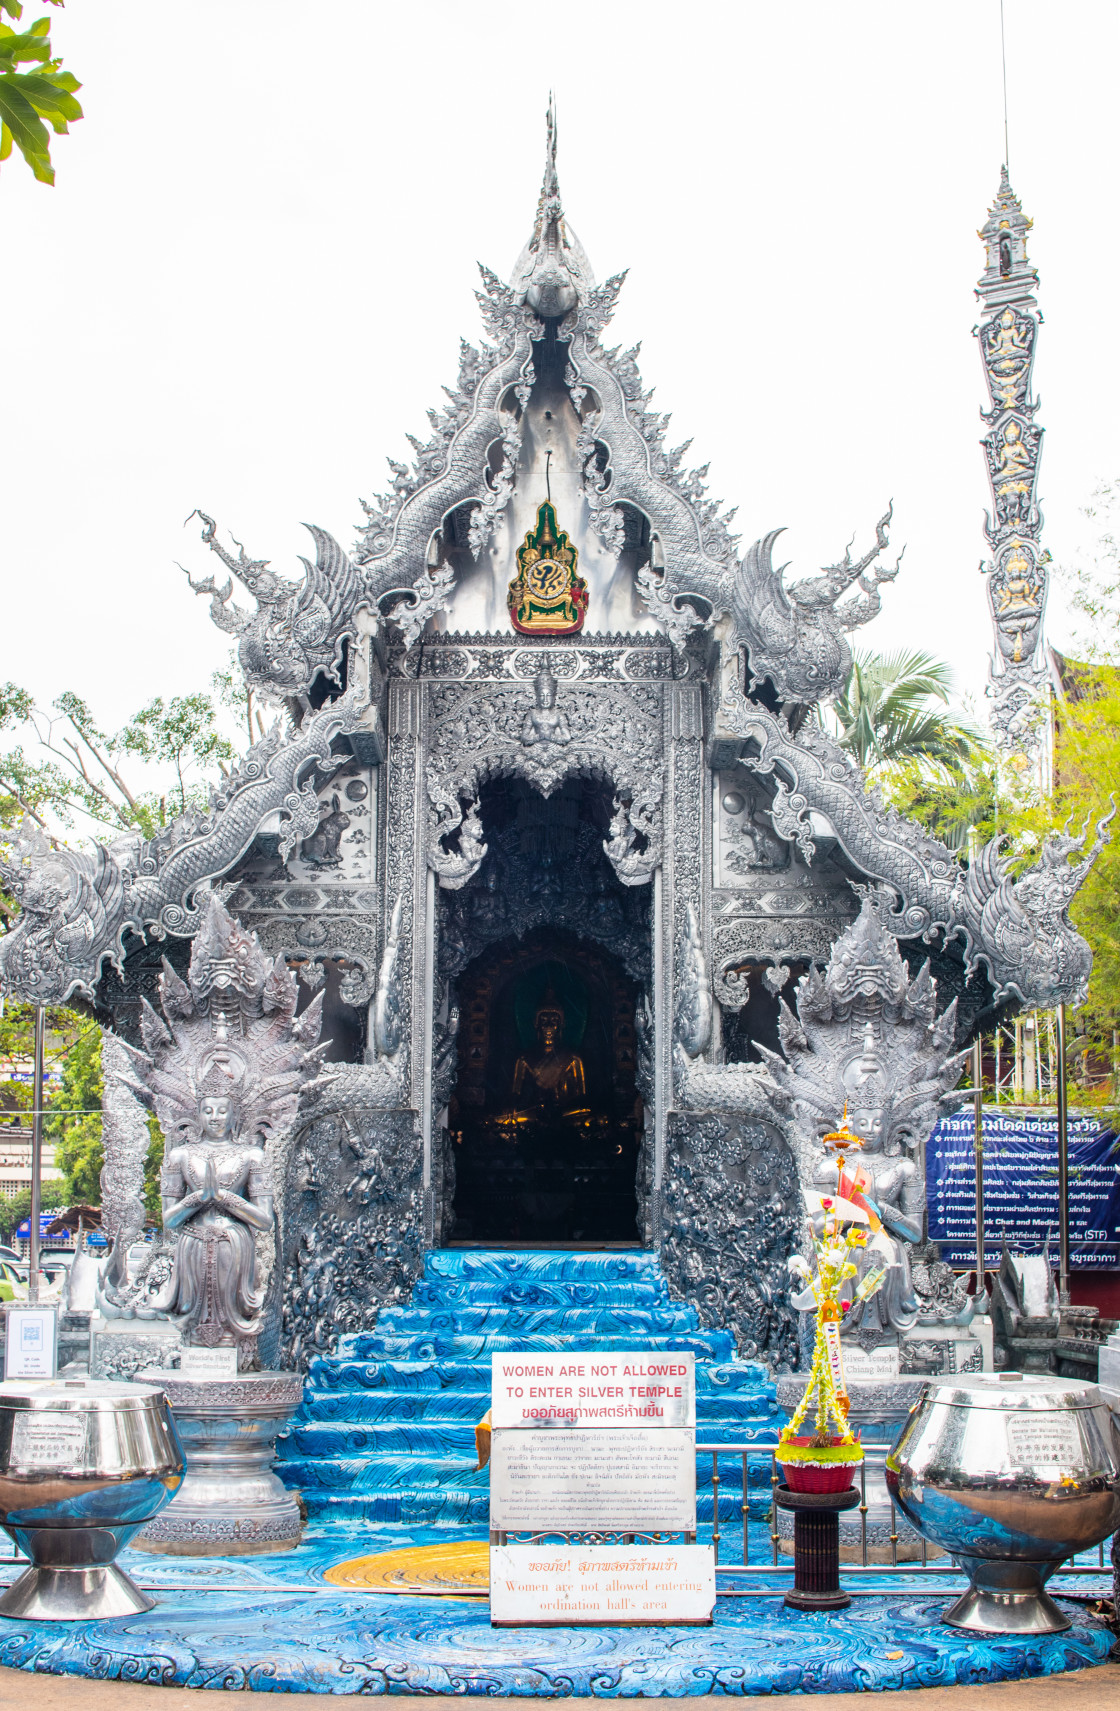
[(870, 1366), (620, 1586), (593, 1390), (630, 1481), (31, 1342), (208, 1363), (44, 1439), (1044, 1440)]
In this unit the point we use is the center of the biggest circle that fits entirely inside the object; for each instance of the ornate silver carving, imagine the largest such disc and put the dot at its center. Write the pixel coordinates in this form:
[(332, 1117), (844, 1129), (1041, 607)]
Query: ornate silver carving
[(405, 527), (1017, 575), (730, 1218), (363, 1251), (125, 1140), (76, 907), (594, 731), (694, 998), (298, 630), (795, 632), (388, 1018), (552, 273), (1018, 928), (224, 1075)]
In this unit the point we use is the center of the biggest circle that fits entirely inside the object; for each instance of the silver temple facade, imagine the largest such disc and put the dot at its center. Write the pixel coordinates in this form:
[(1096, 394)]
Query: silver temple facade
[(547, 746)]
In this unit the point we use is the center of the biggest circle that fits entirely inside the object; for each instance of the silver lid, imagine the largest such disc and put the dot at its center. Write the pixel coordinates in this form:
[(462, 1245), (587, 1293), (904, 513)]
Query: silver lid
[(76, 1395), (1015, 1392)]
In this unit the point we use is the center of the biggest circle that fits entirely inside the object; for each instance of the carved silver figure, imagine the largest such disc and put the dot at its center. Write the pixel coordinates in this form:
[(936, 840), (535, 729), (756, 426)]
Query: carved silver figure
[(795, 632), (223, 1074), (865, 1036), (298, 630)]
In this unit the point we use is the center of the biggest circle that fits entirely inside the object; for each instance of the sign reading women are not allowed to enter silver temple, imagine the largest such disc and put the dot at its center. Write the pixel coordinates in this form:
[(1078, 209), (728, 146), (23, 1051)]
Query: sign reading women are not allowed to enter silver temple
[(595, 1444)]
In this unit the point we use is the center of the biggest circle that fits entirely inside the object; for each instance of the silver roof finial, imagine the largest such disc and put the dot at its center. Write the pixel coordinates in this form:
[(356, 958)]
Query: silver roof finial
[(552, 273)]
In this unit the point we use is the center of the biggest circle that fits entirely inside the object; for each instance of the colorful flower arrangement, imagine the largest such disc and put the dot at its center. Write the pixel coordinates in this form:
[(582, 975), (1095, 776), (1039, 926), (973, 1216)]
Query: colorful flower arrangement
[(824, 1459)]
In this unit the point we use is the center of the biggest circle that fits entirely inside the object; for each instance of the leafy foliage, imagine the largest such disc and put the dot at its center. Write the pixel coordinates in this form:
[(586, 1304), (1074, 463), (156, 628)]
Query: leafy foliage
[(73, 1106), (1087, 781), (85, 775), (75, 1123), (886, 716), (13, 1212), (32, 100), (931, 762)]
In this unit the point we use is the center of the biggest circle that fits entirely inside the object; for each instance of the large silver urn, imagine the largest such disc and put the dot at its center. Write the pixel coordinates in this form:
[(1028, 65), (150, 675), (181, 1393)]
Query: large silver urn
[(83, 1466), (231, 1502), (1011, 1474)]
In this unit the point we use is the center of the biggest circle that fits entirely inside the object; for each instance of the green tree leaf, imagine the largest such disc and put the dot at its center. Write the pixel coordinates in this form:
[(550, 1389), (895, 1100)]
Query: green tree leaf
[(29, 97)]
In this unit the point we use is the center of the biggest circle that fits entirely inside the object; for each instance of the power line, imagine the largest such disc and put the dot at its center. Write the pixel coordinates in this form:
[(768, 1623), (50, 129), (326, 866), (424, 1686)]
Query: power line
[(1003, 57)]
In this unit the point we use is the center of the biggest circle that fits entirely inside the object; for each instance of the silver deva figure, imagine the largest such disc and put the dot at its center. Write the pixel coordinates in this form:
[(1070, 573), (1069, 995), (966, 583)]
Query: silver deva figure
[(868, 1033), (217, 1195), (223, 1072)]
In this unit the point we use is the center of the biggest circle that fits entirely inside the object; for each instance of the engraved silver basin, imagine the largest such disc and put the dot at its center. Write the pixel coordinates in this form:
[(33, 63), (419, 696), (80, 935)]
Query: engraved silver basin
[(84, 1464), (1011, 1474)]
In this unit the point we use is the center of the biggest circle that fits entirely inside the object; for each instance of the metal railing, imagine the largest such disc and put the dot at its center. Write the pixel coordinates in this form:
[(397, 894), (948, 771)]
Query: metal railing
[(863, 1567)]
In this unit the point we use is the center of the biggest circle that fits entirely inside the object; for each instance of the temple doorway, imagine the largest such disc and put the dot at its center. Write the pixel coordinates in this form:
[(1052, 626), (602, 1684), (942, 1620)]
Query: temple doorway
[(545, 1121)]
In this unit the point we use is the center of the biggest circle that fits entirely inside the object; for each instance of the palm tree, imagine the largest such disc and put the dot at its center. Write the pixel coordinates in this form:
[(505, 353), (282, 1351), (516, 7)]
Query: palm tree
[(888, 714)]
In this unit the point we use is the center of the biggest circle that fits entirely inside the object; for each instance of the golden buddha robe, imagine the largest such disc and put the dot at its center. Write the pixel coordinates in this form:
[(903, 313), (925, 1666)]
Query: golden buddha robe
[(550, 1078)]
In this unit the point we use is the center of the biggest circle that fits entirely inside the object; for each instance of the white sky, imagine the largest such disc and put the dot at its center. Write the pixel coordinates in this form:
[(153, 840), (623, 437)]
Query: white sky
[(252, 276)]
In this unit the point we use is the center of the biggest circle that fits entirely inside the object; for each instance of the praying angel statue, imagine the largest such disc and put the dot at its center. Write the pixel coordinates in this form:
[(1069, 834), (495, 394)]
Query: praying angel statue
[(223, 1070)]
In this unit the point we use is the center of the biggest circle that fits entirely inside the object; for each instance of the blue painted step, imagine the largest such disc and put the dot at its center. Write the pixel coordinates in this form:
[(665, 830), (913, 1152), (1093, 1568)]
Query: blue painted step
[(386, 1430)]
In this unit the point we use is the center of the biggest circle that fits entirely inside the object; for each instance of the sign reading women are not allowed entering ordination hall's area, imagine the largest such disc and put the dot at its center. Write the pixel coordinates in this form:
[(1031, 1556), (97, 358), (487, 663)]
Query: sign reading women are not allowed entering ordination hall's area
[(590, 1444)]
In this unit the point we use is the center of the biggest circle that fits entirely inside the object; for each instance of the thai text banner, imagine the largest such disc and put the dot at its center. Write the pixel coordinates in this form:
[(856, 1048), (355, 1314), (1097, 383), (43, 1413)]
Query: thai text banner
[(1021, 1187), (602, 1390)]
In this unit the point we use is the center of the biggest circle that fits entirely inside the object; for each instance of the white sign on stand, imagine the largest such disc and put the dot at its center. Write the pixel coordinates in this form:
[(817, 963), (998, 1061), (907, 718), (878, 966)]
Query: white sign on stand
[(595, 1443), (30, 1342), (628, 1585)]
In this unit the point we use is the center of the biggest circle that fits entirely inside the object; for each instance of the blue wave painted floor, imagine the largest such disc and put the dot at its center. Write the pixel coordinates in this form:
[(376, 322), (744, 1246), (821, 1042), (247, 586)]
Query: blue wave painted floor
[(269, 1623), (384, 1454)]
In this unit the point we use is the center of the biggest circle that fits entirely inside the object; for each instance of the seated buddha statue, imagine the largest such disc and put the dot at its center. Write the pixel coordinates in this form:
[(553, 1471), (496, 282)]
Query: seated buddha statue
[(550, 1079)]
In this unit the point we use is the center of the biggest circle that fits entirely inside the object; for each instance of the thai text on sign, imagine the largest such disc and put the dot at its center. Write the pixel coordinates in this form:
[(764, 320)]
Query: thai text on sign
[(626, 1585), (633, 1389), (1021, 1187)]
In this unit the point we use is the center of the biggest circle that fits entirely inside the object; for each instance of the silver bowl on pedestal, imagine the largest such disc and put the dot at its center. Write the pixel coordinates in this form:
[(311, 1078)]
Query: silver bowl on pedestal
[(231, 1503), (1011, 1475), (83, 1466)]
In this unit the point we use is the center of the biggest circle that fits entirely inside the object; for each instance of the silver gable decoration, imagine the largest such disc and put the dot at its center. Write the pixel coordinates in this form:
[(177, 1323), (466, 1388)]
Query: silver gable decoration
[(77, 906), (299, 630), (795, 633), (1017, 926)]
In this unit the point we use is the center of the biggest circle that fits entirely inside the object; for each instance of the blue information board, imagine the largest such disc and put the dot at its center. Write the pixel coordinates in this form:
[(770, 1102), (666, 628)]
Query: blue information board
[(1021, 1187)]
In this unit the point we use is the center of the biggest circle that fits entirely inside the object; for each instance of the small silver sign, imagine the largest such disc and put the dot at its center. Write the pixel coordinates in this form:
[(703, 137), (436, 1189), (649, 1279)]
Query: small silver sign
[(41, 1439)]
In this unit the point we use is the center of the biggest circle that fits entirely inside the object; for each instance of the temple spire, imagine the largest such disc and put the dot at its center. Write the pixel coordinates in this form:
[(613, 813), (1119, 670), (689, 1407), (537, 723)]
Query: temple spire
[(552, 273), (1016, 574)]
